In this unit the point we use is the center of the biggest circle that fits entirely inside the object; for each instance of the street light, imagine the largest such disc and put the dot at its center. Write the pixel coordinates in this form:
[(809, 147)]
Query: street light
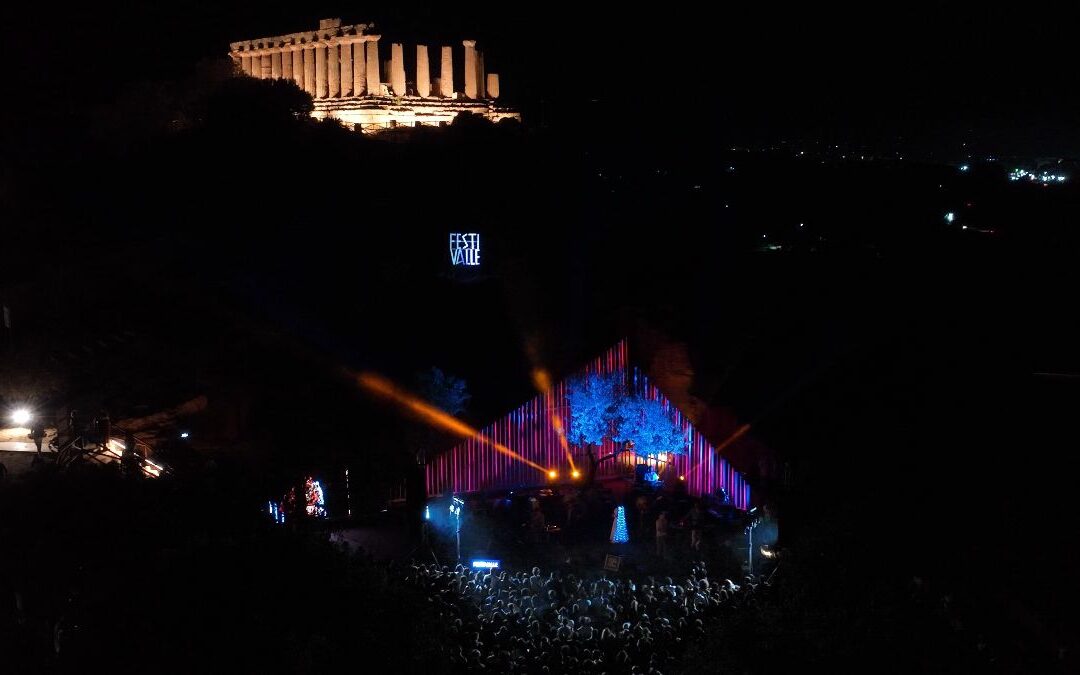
[(21, 417), (456, 504)]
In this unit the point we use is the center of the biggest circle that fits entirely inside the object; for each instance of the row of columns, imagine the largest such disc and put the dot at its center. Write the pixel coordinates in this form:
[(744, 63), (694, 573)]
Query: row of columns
[(349, 66)]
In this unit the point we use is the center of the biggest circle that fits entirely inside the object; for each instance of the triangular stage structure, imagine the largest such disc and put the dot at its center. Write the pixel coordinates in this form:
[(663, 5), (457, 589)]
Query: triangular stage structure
[(534, 433)]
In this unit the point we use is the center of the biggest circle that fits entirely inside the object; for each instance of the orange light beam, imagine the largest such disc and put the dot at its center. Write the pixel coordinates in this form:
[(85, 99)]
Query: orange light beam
[(543, 384), (733, 437), (431, 415), (557, 423), (728, 441)]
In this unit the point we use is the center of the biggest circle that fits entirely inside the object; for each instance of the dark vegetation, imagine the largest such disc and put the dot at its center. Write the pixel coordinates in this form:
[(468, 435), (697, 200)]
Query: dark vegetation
[(174, 577)]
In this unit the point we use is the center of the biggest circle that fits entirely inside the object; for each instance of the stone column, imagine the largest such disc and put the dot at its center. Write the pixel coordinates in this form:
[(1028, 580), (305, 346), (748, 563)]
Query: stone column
[(320, 71), (446, 73), (309, 69), (265, 67), (245, 64), (275, 64), (345, 59), (397, 69), (333, 71), (298, 66), (493, 85), (373, 67), (470, 68), (359, 69), (481, 78), (286, 63), (423, 72)]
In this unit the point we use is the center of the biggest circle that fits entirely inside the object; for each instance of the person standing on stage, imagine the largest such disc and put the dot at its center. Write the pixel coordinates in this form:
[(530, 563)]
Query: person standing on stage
[(662, 534), (697, 524)]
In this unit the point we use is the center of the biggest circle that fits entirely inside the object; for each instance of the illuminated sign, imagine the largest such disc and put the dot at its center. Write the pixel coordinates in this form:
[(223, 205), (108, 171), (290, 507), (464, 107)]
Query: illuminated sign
[(486, 564), (464, 248)]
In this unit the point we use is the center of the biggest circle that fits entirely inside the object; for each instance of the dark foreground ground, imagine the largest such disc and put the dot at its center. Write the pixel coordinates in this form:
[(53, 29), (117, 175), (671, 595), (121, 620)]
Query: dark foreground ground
[(100, 573)]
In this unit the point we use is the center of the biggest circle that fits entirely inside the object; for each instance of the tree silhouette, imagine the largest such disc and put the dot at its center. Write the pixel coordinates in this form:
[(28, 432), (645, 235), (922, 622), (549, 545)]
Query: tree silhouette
[(446, 392), (250, 104)]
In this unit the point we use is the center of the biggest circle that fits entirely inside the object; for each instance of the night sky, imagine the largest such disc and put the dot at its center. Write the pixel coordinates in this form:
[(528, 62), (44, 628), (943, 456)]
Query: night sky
[(922, 79)]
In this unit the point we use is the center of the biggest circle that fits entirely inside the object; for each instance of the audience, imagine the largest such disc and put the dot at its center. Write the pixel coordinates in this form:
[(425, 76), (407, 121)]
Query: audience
[(532, 622)]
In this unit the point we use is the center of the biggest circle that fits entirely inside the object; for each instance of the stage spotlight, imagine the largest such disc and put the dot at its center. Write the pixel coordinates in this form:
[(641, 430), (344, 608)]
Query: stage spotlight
[(768, 552), (21, 417), (682, 477), (553, 474), (575, 473)]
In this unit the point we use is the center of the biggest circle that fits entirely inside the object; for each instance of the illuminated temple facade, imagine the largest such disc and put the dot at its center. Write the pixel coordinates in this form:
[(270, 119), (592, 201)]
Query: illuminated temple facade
[(345, 70), (533, 432)]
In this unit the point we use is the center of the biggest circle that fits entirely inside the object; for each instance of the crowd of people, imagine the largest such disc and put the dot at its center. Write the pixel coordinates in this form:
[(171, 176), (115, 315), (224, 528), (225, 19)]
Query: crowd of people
[(531, 622)]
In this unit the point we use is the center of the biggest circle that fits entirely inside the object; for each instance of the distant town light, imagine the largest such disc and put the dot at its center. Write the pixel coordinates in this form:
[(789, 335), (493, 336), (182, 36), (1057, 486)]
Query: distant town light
[(964, 167), (21, 417), (184, 434), (1043, 177)]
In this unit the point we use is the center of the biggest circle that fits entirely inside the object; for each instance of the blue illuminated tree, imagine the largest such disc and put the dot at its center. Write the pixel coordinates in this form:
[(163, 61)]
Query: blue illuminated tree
[(646, 428), (601, 408), (596, 408), (651, 428)]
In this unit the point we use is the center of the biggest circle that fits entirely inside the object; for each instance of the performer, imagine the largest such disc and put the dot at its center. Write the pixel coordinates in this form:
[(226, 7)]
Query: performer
[(661, 534), (697, 523)]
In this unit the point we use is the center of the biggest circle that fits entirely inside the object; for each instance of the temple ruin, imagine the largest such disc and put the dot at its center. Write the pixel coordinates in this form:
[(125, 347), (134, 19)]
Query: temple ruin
[(343, 70)]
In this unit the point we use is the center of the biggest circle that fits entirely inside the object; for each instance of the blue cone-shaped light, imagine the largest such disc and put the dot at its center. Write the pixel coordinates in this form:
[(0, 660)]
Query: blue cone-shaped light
[(619, 534)]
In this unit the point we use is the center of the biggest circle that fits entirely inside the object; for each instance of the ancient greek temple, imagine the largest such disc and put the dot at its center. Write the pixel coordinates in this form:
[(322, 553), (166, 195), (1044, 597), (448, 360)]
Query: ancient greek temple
[(345, 72)]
